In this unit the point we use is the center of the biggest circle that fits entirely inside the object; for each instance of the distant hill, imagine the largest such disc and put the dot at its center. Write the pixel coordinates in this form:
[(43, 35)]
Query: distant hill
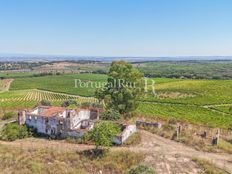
[(33, 57)]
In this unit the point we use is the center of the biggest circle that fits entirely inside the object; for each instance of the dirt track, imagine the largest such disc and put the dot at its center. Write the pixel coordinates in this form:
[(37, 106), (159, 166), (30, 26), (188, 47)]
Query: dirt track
[(5, 86), (168, 156), (165, 156)]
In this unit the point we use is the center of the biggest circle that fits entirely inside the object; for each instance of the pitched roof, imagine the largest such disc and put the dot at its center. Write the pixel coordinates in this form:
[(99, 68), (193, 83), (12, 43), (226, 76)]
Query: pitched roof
[(52, 111)]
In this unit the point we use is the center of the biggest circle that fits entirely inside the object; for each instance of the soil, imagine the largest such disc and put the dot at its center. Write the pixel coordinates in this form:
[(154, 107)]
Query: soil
[(164, 155)]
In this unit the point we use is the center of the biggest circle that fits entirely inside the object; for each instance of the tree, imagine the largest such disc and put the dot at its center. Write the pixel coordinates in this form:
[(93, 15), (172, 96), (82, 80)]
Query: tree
[(124, 86), (103, 133), (45, 103), (110, 114)]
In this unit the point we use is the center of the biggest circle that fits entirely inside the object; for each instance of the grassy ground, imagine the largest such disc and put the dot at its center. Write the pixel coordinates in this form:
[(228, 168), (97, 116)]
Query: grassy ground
[(50, 161), (208, 167), (16, 75)]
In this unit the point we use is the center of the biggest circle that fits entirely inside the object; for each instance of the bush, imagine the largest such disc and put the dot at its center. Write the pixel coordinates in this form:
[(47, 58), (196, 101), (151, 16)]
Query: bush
[(86, 104), (45, 103), (141, 169), (13, 131), (94, 105), (103, 133), (110, 115), (8, 115), (68, 103)]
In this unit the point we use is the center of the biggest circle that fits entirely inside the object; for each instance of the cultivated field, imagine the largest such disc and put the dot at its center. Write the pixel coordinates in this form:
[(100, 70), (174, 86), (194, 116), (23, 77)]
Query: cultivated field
[(205, 102), (29, 98), (59, 83)]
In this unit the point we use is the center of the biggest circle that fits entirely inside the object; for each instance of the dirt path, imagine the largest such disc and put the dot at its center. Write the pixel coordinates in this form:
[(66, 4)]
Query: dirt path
[(5, 84), (168, 156), (165, 156)]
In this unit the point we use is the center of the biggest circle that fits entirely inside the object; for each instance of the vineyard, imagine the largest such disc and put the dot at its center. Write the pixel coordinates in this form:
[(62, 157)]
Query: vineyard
[(60, 83), (29, 98), (205, 102), (189, 113)]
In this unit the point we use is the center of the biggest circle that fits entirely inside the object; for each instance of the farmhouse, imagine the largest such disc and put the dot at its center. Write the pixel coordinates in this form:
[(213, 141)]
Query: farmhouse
[(59, 121)]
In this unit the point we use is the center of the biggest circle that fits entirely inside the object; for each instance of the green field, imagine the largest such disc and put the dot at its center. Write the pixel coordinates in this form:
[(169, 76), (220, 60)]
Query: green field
[(193, 114), (201, 92), (198, 101), (16, 75), (59, 83)]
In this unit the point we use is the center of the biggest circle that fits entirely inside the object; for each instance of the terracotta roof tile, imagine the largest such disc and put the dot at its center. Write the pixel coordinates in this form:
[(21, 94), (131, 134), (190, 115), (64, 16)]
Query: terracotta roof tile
[(52, 111)]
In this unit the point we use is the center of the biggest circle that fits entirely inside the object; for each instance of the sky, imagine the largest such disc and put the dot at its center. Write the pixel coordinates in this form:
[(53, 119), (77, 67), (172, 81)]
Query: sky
[(116, 27)]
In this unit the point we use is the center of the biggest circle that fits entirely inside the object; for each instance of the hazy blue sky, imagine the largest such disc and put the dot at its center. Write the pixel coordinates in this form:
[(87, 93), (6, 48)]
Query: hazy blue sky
[(116, 27)]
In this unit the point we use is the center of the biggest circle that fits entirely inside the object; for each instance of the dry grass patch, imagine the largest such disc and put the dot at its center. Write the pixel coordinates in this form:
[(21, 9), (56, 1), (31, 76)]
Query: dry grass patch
[(47, 161), (208, 167)]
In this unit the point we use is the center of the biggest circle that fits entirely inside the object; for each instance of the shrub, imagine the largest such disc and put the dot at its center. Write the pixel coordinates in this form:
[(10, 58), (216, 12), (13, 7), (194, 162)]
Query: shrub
[(13, 131), (8, 115), (110, 115), (97, 105), (86, 104), (68, 103), (103, 133), (45, 103), (141, 169)]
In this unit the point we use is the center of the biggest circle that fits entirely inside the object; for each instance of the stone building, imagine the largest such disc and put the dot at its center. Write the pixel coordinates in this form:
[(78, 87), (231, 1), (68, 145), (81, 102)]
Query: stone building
[(59, 121)]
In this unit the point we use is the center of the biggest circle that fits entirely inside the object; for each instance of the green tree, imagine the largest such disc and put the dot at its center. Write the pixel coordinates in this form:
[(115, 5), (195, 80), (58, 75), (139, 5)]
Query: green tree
[(110, 114), (124, 86), (103, 133), (13, 131)]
